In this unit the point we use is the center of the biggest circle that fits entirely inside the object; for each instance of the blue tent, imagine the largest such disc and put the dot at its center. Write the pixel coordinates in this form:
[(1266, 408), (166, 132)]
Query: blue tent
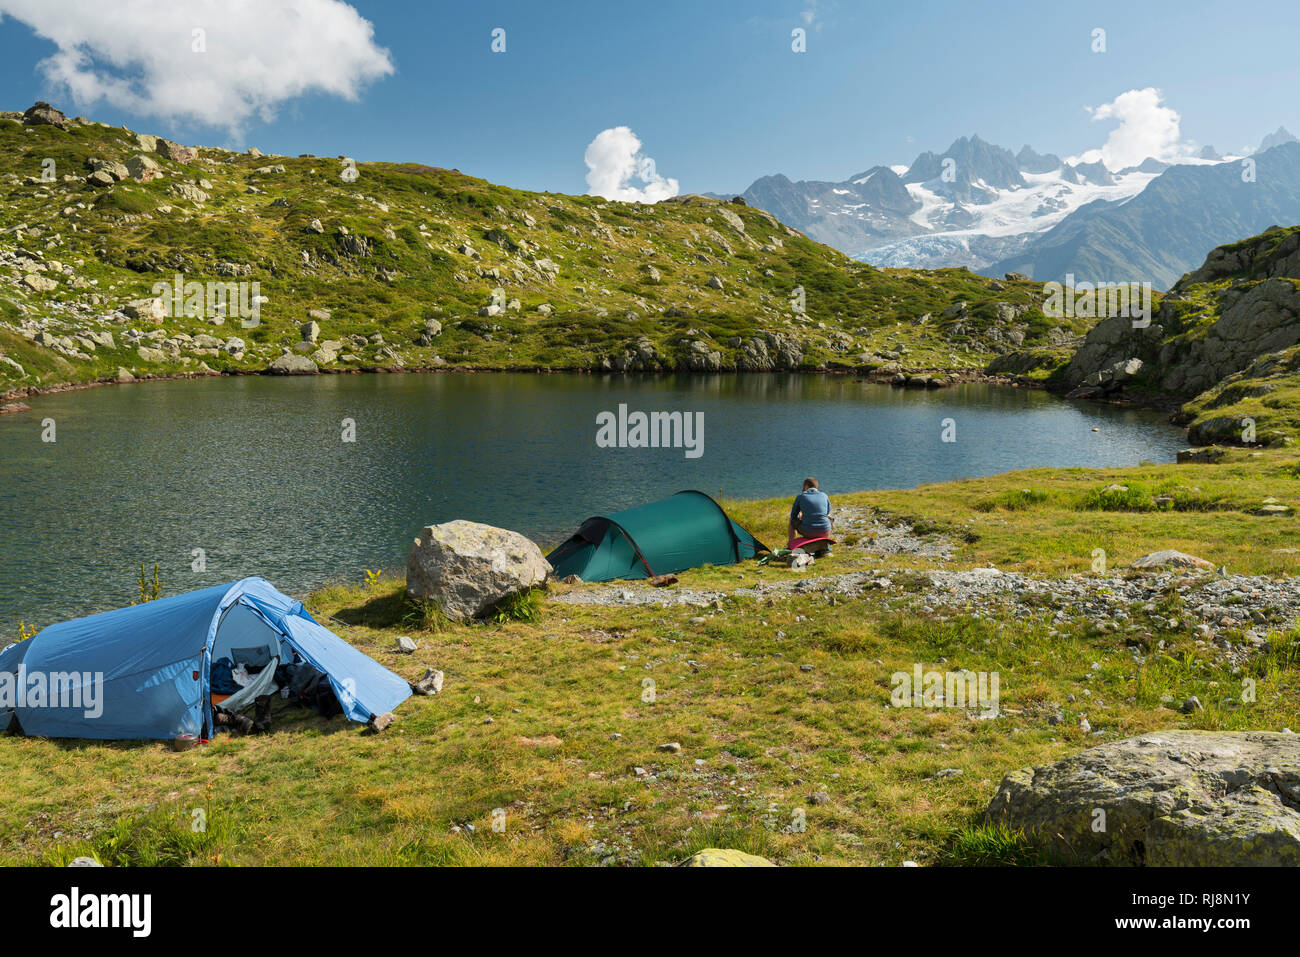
[(143, 671)]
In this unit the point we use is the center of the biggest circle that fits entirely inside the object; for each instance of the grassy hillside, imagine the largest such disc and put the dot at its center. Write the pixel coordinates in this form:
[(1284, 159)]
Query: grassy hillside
[(403, 258)]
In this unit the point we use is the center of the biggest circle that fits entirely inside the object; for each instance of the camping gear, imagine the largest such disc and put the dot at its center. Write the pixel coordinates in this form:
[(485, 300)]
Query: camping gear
[(145, 671), (795, 559), (683, 531), (812, 545)]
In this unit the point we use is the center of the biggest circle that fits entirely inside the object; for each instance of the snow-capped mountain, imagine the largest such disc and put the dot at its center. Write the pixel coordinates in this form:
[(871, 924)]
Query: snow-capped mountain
[(983, 207), (1167, 229), (972, 205)]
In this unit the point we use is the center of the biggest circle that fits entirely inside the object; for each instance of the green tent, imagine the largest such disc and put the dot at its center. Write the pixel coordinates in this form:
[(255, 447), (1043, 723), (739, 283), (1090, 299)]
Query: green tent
[(682, 531)]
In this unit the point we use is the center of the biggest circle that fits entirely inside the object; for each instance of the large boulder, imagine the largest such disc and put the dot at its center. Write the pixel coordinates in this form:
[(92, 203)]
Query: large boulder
[(292, 364), (725, 857), (1171, 558), (1191, 798), (175, 151), (190, 192), (142, 168), (467, 568), (116, 171)]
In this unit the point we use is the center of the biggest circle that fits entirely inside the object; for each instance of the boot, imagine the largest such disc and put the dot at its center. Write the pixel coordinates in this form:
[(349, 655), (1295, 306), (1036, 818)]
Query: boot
[(236, 723), (262, 721)]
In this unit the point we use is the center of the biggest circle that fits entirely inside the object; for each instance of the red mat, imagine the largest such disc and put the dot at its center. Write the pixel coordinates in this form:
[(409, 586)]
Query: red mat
[(801, 542)]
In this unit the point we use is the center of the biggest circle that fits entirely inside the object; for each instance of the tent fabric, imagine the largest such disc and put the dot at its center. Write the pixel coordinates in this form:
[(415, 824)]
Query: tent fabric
[(683, 531), (155, 658)]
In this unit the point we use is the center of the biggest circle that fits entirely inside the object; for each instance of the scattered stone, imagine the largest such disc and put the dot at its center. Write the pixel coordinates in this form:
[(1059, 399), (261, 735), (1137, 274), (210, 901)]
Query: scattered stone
[(430, 684), (405, 645), (380, 722)]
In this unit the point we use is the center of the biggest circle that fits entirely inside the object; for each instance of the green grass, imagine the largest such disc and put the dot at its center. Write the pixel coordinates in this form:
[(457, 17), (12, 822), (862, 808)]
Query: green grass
[(991, 845)]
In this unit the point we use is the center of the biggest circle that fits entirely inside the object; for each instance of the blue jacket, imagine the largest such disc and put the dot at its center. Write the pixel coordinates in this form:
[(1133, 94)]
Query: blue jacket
[(811, 511)]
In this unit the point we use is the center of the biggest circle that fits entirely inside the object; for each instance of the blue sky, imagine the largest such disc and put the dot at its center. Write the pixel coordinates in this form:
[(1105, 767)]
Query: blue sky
[(712, 90)]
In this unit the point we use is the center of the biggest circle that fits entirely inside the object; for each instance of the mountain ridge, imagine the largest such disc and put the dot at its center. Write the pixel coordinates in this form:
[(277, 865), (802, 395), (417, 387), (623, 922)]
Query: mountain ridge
[(980, 206)]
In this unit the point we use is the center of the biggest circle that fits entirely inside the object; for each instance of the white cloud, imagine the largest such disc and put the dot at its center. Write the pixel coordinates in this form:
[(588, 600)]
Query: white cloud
[(139, 56), (1146, 128), (614, 159)]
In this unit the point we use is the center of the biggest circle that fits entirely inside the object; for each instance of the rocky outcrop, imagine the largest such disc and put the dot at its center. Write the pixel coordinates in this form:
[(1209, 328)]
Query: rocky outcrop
[(700, 357), (771, 350), (1258, 319), (1249, 258), (1112, 343), (1199, 336), (467, 569), (1022, 362), (42, 114), (641, 356), (1189, 798)]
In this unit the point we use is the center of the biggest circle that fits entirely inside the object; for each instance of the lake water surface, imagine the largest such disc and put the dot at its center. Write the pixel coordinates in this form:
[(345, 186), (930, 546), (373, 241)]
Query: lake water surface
[(254, 470)]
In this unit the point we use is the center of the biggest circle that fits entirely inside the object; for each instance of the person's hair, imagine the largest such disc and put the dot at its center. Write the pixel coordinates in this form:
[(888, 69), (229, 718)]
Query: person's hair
[(810, 482)]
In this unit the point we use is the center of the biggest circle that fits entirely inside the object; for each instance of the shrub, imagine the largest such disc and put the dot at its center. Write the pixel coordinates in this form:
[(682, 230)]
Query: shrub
[(1119, 498), (525, 606), (1013, 500), (990, 845)]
